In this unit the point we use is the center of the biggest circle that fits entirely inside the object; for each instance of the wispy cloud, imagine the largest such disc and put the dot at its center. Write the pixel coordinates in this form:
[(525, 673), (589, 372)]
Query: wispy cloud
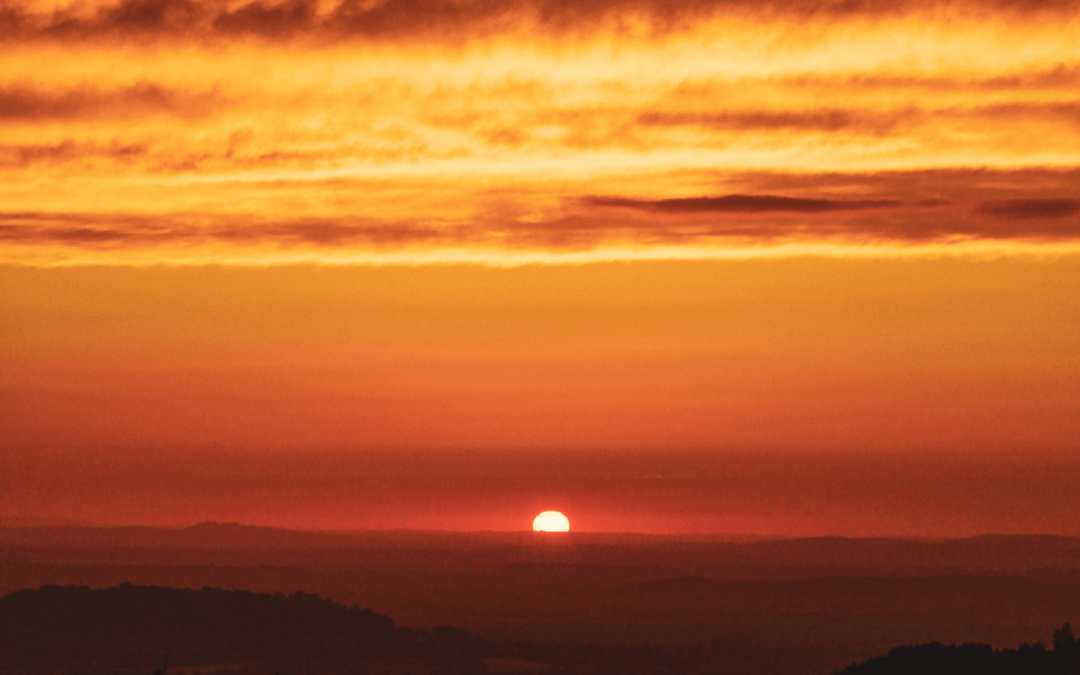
[(584, 223), (26, 103), (453, 20), (120, 230), (1032, 209), (66, 153), (744, 204), (359, 127)]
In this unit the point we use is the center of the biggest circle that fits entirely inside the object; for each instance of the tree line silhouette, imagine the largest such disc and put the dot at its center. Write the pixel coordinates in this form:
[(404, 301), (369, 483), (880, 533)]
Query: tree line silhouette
[(978, 659)]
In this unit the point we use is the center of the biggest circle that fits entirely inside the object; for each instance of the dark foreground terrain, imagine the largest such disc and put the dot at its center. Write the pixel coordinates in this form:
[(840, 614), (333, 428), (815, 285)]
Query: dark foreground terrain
[(604, 603), (129, 629), (132, 628)]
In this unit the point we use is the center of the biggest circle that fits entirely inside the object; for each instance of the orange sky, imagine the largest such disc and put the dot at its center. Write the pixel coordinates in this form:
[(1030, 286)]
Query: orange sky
[(288, 232)]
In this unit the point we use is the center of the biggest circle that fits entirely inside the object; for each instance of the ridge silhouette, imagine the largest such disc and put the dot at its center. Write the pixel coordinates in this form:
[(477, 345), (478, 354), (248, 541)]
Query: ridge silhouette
[(79, 629)]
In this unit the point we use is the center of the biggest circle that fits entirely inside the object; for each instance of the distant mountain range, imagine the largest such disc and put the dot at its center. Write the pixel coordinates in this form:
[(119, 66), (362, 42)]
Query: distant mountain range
[(719, 552)]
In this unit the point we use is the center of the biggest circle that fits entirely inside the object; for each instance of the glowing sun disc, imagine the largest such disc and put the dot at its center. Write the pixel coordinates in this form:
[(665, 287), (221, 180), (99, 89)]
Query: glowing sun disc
[(551, 521)]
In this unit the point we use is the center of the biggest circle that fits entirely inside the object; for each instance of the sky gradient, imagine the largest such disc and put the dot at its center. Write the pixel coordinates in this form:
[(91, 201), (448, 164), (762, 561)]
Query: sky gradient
[(819, 246)]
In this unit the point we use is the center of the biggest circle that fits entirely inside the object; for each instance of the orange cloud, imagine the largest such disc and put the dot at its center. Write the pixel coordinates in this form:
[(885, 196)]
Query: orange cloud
[(428, 130), (449, 20), (745, 204), (1032, 208), (23, 103), (585, 223)]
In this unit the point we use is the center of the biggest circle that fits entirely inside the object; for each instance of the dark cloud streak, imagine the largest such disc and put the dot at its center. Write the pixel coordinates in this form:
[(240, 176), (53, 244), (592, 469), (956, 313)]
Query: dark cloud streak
[(97, 230), (743, 204), (22, 156), (1024, 209), (26, 103), (583, 224), (271, 21), (875, 123), (454, 20)]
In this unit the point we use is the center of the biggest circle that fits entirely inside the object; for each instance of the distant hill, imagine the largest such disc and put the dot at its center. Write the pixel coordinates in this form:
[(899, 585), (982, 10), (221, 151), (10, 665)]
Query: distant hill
[(727, 556), (131, 629), (977, 659)]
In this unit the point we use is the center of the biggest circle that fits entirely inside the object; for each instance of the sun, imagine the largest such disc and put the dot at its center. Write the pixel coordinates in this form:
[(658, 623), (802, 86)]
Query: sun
[(551, 521)]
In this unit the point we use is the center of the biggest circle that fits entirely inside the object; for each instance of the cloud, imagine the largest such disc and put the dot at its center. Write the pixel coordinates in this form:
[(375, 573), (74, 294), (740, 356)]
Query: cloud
[(1027, 209), (22, 156), (138, 16), (272, 21), (743, 204), (832, 120), (879, 123), (580, 224), (457, 20), (329, 232), (938, 207), (762, 219), (94, 230), (20, 102), (1060, 76)]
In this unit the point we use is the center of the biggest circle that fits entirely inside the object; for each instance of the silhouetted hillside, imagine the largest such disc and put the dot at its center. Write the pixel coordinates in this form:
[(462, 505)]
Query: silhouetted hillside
[(133, 628), (977, 659), (129, 631)]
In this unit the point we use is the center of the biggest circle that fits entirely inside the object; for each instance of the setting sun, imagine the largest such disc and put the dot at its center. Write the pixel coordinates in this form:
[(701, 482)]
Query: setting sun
[(551, 521)]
